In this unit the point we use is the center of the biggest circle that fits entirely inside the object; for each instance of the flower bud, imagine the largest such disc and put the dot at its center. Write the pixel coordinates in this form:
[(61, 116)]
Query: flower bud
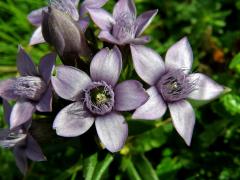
[(61, 31)]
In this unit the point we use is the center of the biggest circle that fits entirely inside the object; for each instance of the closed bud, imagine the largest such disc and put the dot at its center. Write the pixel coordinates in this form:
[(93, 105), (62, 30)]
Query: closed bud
[(62, 31)]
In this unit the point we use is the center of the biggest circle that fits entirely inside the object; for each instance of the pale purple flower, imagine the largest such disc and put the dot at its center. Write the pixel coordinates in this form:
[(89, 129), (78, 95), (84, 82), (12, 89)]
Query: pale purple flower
[(171, 84), (98, 99), (23, 144), (32, 90), (123, 27), (67, 6)]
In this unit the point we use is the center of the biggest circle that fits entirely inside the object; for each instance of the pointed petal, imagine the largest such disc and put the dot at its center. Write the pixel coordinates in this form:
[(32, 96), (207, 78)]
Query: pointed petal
[(91, 4), (46, 66), (205, 88), (7, 111), (76, 2), (124, 6), (180, 56), (66, 6), (73, 120), (140, 40), (7, 89), (45, 103), (25, 64), (83, 23), (35, 17), (102, 18), (33, 150), (147, 63), (10, 141), (129, 95), (112, 131), (153, 109), (22, 112), (183, 118), (106, 36), (106, 66), (144, 20), (37, 37), (21, 159), (69, 82)]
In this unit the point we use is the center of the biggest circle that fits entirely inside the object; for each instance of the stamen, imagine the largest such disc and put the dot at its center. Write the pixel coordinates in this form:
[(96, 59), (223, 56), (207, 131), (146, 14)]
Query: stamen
[(175, 85), (99, 98), (29, 87)]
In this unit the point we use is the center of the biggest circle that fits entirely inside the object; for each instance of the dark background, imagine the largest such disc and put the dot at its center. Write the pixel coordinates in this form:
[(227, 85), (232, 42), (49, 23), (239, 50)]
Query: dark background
[(154, 150)]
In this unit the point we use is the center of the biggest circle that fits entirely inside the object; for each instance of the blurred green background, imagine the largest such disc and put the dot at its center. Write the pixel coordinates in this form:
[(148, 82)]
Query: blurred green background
[(154, 150)]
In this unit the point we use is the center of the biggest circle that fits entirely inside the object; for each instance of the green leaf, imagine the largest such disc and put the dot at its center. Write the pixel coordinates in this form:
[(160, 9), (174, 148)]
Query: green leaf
[(235, 63), (168, 167), (89, 166), (128, 166), (149, 140), (101, 167), (144, 167)]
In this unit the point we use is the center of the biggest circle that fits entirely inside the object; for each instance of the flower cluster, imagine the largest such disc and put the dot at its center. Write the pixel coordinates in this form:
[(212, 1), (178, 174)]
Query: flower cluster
[(91, 80)]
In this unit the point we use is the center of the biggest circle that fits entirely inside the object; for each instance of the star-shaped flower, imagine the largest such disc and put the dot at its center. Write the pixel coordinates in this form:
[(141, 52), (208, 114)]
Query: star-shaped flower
[(32, 90), (171, 85), (19, 139), (97, 99), (123, 27)]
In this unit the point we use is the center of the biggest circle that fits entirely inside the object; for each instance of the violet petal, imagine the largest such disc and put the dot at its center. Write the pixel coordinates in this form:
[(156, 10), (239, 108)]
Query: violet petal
[(106, 36), (183, 118), (180, 56), (148, 64), (73, 120), (22, 112), (25, 64), (83, 23), (15, 140), (139, 40), (33, 150), (66, 6), (106, 66), (7, 111), (144, 20), (45, 103), (153, 109), (129, 95), (7, 89), (69, 82), (124, 6), (91, 4), (102, 18), (21, 159), (37, 37), (46, 66), (112, 131), (35, 17), (205, 88)]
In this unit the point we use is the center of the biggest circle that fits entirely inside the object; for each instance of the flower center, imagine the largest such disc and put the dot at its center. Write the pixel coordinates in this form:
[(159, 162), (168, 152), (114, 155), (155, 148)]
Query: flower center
[(99, 98), (124, 29), (29, 87), (174, 85)]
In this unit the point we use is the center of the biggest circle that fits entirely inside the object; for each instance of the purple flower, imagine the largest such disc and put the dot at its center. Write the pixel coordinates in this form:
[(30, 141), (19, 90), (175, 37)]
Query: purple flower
[(32, 89), (67, 6), (98, 99), (172, 85), (23, 144), (123, 27)]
